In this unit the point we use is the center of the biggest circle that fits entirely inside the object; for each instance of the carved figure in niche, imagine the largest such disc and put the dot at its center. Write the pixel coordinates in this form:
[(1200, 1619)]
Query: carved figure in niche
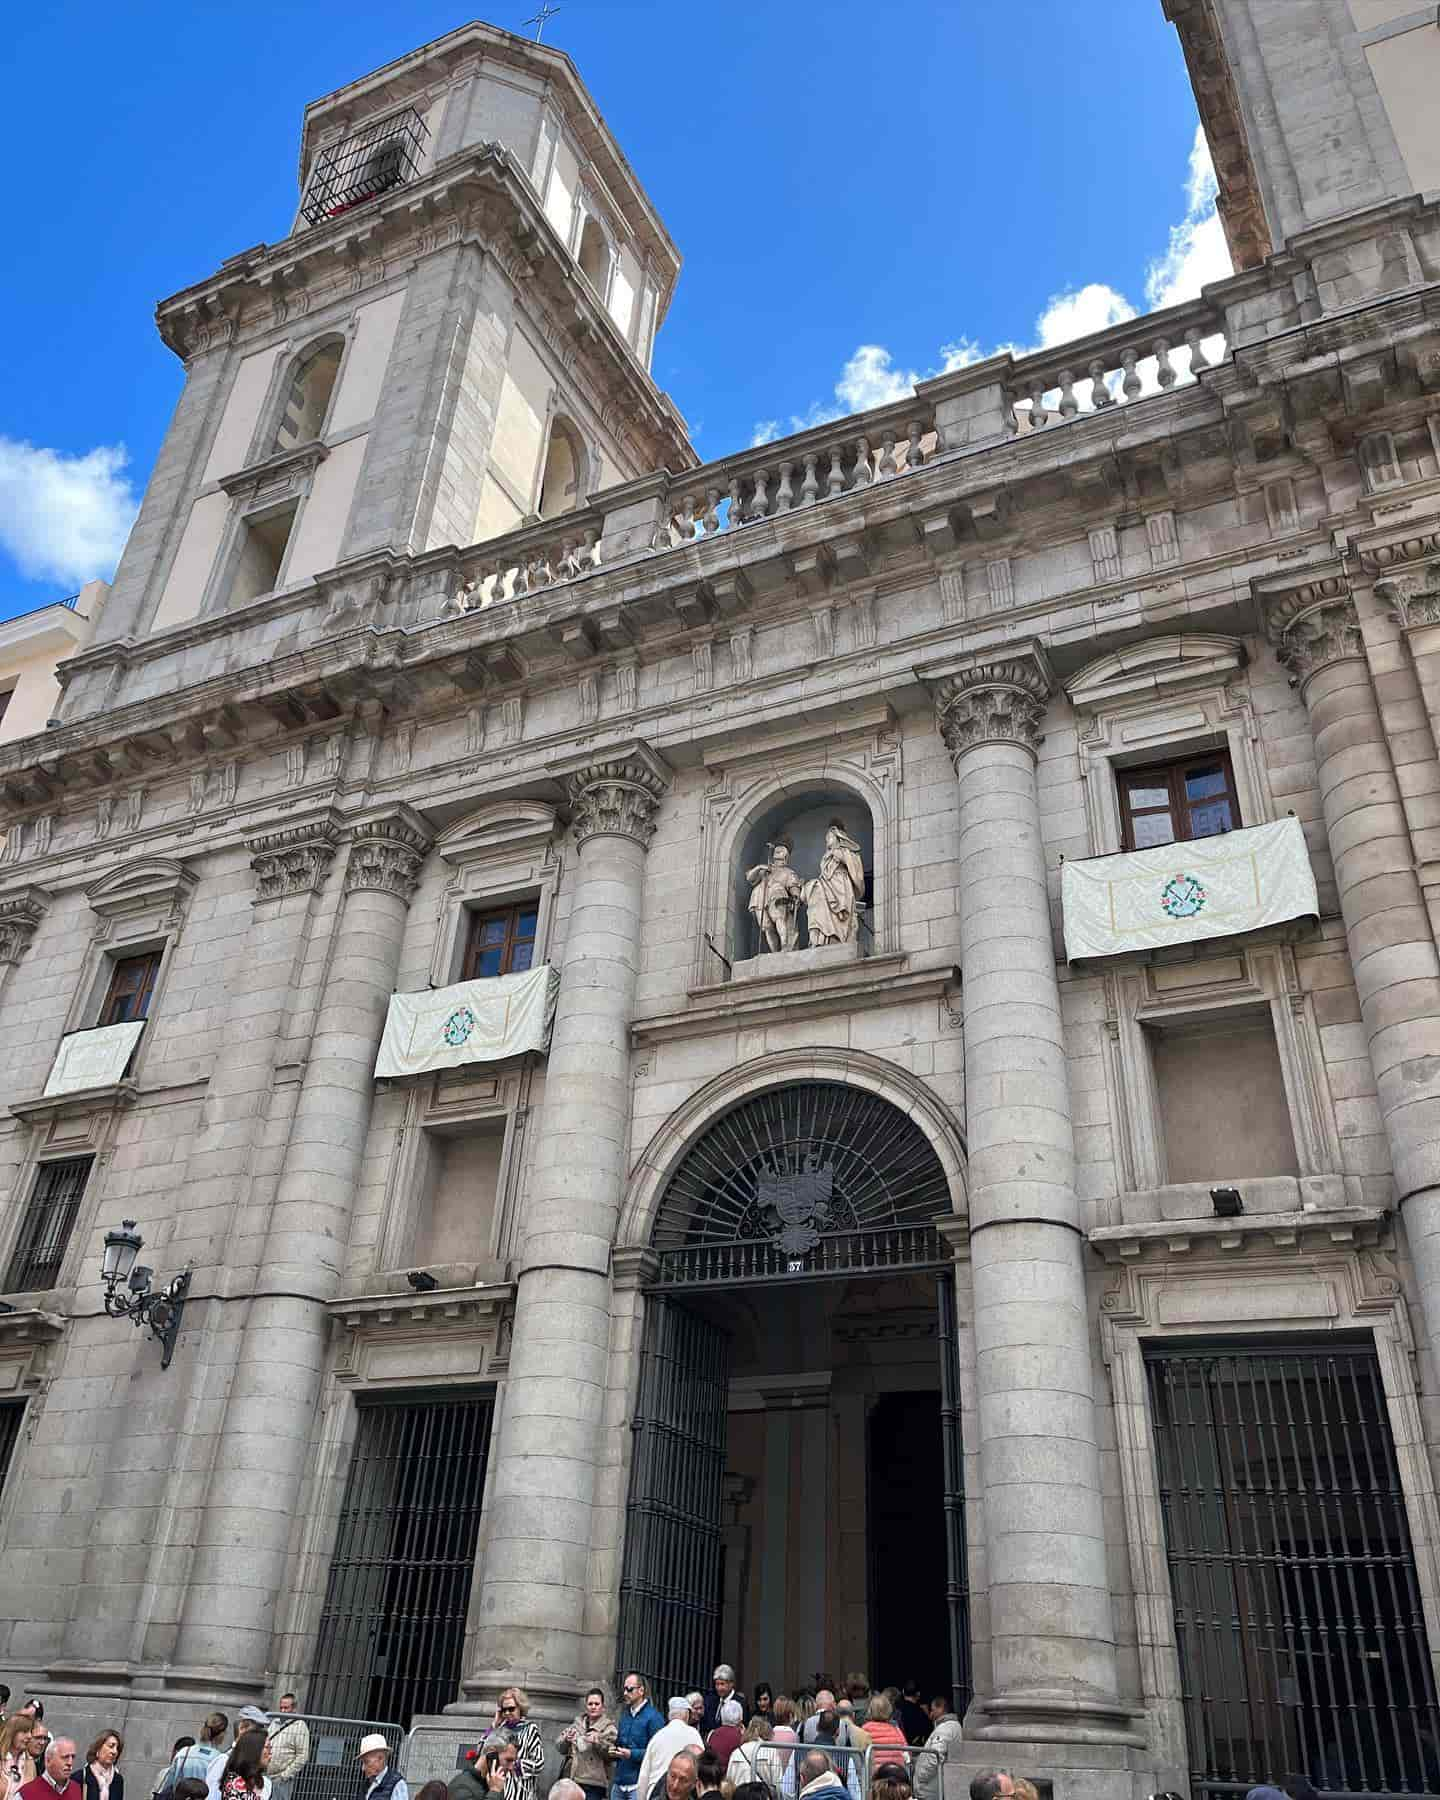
[(833, 900), (775, 896)]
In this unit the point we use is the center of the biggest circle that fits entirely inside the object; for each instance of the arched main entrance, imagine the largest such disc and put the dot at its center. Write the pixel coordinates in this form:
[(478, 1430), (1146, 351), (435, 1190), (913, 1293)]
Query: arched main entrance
[(796, 1488)]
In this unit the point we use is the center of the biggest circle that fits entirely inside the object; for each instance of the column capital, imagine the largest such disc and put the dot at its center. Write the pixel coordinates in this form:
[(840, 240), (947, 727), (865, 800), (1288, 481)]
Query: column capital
[(992, 700), (1413, 597), (294, 860), (618, 796), (20, 916), (386, 854), (1313, 625)]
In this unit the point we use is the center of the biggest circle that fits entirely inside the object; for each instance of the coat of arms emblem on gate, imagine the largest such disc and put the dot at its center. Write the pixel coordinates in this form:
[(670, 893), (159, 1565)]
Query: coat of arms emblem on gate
[(798, 1201)]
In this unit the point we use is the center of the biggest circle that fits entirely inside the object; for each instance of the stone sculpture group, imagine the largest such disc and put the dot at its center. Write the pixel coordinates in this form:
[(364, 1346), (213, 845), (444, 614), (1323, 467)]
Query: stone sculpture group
[(833, 900)]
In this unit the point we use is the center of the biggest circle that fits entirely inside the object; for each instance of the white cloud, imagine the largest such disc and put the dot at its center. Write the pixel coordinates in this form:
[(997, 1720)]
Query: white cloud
[(64, 518), (1196, 254)]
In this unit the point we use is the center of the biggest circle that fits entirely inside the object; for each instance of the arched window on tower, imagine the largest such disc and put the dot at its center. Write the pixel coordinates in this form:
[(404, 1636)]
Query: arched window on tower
[(564, 466), (307, 398), (595, 257)]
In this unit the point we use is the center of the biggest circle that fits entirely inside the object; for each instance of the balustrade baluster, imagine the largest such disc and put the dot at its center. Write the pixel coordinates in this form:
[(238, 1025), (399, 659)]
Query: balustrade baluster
[(1069, 405), (687, 517), (1100, 394), (1164, 368), (836, 479), (785, 493), (737, 505), (810, 486), (1130, 386), (914, 455), (760, 499), (1198, 358), (711, 521), (885, 462), (862, 476), (1038, 414)]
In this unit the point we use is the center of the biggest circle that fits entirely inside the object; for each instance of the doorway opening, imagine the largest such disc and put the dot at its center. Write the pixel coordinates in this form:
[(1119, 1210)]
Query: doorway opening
[(796, 1501)]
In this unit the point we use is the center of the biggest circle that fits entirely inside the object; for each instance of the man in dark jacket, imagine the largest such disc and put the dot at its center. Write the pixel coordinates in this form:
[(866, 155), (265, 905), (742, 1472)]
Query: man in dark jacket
[(722, 1688), (638, 1722)]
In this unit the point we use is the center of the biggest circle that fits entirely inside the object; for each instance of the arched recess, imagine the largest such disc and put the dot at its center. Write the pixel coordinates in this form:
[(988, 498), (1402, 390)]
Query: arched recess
[(307, 393), (594, 256), (836, 781), (564, 472), (863, 1074)]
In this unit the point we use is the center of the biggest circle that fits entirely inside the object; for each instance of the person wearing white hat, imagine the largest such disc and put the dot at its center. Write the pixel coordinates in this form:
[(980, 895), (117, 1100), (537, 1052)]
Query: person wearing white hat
[(384, 1782)]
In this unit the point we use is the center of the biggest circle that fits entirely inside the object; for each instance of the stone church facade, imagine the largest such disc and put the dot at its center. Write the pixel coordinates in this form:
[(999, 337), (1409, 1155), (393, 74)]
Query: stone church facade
[(1026, 1276)]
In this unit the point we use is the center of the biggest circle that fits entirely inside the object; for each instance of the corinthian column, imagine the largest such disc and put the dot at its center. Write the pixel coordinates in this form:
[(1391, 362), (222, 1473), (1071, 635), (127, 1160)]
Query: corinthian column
[(535, 1572), (1316, 630), (243, 1536), (1053, 1639)]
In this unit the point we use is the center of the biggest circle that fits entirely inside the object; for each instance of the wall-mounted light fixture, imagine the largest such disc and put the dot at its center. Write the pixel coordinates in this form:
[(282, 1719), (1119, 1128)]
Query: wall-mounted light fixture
[(1227, 1202), (159, 1308)]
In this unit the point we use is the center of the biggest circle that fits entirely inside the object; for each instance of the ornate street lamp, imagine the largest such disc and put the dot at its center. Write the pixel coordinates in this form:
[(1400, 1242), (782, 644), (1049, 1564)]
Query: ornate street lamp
[(160, 1309)]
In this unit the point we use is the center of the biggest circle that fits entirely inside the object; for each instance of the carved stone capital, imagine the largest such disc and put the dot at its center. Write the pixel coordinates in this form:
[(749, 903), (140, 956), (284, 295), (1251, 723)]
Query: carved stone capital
[(293, 861), (20, 916), (386, 855), (617, 799), (992, 703), (1414, 597), (1314, 625)]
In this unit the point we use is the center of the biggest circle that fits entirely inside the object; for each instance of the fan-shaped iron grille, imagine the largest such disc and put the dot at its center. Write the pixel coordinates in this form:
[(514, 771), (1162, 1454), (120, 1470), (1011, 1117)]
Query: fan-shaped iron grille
[(817, 1179)]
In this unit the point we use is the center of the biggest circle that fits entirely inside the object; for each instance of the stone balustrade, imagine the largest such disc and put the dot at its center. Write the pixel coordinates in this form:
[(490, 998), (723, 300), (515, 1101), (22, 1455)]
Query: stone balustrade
[(821, 464), (527, 561), (1112, 368)]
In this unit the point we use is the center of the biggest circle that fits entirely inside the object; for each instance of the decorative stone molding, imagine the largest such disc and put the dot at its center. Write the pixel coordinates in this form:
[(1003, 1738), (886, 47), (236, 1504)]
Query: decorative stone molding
[(1314, 625), (618, 798), (148, 895), (1377, 559), (1414, 596), (20, 916), (294, 861), (386, 856), (994, 702)]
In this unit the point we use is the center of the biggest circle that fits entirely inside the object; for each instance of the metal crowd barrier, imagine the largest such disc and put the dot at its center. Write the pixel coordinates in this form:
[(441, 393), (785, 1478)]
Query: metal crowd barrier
[(333, 1771)]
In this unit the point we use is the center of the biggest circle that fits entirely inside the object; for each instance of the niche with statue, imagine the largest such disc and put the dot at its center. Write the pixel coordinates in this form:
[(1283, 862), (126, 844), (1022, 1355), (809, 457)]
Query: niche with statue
[(802, 885)]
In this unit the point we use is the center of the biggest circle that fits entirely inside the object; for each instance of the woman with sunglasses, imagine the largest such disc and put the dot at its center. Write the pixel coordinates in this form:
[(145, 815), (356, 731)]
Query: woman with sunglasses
[(512, 1725)]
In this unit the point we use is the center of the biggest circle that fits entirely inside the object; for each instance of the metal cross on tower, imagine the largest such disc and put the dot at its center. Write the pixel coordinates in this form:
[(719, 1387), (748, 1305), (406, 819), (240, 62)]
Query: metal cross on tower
[(542, 18)]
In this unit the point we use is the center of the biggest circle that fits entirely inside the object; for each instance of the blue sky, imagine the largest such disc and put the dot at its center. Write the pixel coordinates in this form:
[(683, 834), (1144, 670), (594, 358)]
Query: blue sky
[(863, 194)]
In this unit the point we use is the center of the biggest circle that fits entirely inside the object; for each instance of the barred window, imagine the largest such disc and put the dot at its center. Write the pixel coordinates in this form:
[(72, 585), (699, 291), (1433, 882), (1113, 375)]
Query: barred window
[(45, 1229)]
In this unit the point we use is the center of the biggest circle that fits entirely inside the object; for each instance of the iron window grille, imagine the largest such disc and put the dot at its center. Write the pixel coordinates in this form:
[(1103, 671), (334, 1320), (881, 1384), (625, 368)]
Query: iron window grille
[(45, 1229), (382, 155), (392, 1629), (1298, 1614)]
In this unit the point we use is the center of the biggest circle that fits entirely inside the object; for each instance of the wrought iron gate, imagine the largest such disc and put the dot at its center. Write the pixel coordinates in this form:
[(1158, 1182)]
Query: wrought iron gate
[(957, 1552), (670, 1591), (393, 1625), (1297, 1611)]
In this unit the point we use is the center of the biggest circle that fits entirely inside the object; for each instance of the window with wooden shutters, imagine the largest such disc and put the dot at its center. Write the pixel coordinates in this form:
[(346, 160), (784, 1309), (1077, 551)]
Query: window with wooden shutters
[(501, 942), (45, 1229), (132, 983), (1175, 802)]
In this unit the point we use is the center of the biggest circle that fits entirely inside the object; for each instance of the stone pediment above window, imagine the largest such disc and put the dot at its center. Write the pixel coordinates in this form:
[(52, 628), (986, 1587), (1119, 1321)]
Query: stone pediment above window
[(150, 889), (283, 473), (498, 832), (1154, 669)]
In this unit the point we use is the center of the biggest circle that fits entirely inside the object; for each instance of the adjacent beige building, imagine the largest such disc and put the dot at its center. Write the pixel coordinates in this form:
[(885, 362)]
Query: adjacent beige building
[(1024, 1274), (31, 645)]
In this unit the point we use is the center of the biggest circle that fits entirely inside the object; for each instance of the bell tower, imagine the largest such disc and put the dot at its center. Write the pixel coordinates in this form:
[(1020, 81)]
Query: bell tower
[(454, 336)]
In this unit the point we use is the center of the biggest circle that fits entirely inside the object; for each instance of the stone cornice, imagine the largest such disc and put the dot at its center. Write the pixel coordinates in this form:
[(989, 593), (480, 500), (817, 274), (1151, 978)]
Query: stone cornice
[(1342, 1227)]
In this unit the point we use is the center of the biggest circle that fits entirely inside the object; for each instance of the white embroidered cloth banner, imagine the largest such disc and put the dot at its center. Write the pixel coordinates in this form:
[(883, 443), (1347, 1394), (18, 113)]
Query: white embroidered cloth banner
[(89, 1059), (1184, 893), (473, 1021)]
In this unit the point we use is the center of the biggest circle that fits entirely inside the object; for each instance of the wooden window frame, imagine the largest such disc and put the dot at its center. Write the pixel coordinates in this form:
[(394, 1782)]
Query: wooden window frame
[(116, 991), (1171, 775), (511, 914)]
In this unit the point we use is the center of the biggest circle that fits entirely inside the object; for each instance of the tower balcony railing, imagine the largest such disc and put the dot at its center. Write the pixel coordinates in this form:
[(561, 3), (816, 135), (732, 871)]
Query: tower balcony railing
[(379, 156)]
